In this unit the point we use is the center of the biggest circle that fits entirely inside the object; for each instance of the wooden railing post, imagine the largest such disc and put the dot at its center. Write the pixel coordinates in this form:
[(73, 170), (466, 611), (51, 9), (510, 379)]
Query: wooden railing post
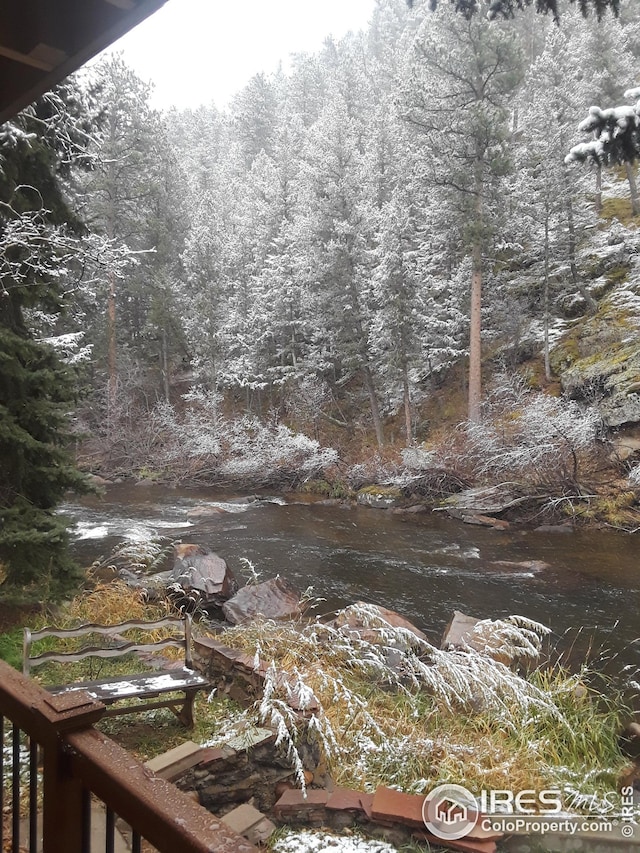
[(62, 803), (62, 825), (45, 719)]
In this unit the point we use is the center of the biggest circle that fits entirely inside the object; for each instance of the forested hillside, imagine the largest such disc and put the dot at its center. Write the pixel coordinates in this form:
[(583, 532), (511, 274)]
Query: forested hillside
[(361, 253)]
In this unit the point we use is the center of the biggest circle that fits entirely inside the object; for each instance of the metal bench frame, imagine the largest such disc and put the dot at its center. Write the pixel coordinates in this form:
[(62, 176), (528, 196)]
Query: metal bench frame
[(143, 686)]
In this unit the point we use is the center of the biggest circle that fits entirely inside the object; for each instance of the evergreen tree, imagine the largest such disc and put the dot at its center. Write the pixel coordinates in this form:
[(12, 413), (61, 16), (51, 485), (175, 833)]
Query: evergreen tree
[(118, 204), (38, 239), (333, 244), (616, 139), (461, 75), (507, 8), (254, 113)]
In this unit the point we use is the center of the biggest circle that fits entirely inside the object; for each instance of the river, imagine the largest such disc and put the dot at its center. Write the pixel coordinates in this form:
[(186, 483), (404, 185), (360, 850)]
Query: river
[(424, 566)]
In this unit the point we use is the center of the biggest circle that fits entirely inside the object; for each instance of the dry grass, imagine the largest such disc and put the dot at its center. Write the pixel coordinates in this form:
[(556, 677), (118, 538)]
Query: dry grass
[(109, 604)]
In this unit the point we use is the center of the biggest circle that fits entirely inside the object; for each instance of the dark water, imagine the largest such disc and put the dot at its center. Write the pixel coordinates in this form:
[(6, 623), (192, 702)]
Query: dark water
[(423, 567)]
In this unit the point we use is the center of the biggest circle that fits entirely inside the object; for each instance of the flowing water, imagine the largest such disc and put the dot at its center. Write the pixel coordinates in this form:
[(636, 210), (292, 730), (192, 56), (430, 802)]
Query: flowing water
[(425, 567)]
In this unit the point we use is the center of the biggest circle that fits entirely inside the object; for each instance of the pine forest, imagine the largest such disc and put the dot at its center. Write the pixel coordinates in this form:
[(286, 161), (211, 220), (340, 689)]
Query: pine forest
[(409, 260)]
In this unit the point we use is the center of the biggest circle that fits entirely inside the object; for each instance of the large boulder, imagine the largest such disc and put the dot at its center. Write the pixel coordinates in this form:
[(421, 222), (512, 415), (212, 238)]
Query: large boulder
[(273, 599), (202, 575), (483, 501), (496, 639)]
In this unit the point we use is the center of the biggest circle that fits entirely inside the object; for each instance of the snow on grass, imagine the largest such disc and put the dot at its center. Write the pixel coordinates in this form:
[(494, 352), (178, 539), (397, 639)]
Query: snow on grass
[(317, 842), (391, 709)]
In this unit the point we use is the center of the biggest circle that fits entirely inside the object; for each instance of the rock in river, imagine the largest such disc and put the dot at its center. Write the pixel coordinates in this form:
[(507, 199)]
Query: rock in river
[(368, 621), (204, 573), (273, 599), (204, 511)]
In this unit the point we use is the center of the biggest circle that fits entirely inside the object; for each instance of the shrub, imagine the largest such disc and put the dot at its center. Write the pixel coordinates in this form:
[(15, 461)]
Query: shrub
[(201, 444), (542, 442)]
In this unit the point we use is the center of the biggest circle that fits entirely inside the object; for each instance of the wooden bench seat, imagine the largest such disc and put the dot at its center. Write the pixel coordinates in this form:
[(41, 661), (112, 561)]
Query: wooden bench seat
[(143, 686)]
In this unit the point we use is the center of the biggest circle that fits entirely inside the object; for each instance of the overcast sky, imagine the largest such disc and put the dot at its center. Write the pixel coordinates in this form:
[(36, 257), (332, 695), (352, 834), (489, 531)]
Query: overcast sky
[(198, 51)]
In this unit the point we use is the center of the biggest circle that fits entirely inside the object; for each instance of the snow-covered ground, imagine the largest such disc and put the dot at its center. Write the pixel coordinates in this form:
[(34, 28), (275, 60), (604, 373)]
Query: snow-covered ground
[(317, 842)]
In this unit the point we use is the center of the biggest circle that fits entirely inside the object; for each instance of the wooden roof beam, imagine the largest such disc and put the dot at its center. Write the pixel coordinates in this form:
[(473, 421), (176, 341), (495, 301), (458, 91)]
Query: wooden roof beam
[(26, 59)]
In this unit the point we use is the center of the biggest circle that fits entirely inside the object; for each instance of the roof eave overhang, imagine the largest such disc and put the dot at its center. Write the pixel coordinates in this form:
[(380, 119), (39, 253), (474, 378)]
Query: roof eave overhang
[(94, 41)]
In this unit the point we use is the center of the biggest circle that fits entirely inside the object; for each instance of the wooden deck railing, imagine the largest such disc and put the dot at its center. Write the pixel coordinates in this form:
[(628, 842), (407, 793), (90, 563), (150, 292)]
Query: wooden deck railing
[(53, 761)]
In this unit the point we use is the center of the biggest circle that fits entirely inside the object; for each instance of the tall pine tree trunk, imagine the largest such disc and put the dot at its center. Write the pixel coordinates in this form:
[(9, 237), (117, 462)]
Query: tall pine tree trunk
[(598, 188), (571, 245), (407, 404), (165, 364), (112, 345), (475, 344), (547, 361)]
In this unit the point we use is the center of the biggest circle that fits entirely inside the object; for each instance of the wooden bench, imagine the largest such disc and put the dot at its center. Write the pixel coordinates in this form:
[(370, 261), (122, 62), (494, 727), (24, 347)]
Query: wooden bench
[(113, 643)]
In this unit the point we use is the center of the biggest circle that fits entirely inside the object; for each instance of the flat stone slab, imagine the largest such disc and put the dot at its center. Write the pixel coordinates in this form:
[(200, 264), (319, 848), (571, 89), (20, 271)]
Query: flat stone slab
[(393, 806), (173, 763), (346, 799), (296, 805), (486, 521), (250, 739), (250, 823)]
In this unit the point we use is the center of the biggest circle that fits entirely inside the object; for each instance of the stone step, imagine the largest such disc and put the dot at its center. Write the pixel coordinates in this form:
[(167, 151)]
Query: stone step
[(173, 763), (250, 823)]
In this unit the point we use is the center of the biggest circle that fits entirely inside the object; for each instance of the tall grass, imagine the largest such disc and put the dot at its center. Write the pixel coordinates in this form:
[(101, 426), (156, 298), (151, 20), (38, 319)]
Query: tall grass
[(396, 711)]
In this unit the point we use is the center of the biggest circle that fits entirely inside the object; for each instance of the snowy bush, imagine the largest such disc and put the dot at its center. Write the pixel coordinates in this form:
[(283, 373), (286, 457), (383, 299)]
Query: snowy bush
[(375, 469), (532, 438), (418, 458), (531, 435), (198, 427), (260, 452), (634, 476), (199, 442)]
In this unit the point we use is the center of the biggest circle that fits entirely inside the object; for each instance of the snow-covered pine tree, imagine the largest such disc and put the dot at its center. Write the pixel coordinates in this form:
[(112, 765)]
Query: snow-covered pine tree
[(116, 193), (508, 8), (333, 246), (37, 247), (460, 75)]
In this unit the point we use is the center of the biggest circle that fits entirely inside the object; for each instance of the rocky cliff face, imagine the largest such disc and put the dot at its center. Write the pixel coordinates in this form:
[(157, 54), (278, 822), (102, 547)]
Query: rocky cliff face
[(598, 356)]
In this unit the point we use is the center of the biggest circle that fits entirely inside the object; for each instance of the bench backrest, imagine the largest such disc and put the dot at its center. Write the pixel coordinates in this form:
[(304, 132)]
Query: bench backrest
[(118, 645)]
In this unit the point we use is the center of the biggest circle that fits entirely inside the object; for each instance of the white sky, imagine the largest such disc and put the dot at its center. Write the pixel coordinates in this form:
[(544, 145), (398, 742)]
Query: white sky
[(198, 51)]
